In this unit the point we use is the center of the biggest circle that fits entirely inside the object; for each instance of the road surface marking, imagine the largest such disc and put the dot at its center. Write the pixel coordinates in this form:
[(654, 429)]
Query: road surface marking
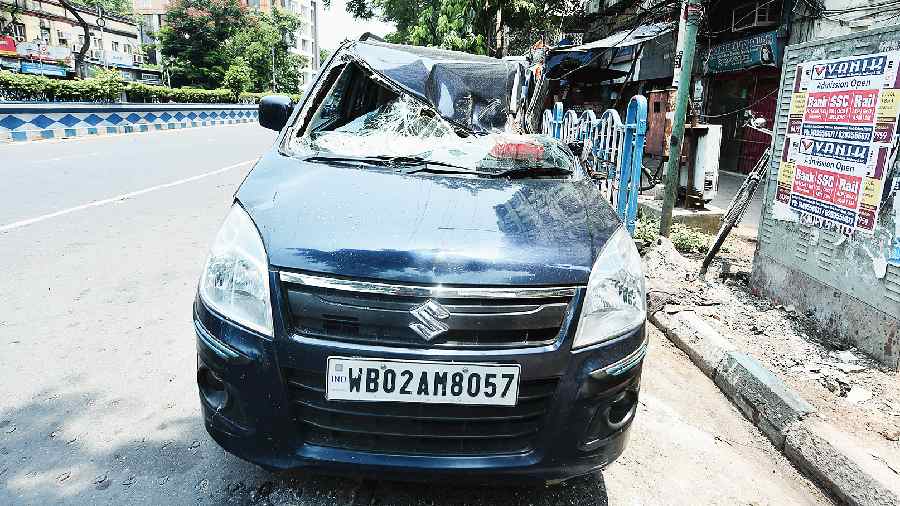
[(119, 198)]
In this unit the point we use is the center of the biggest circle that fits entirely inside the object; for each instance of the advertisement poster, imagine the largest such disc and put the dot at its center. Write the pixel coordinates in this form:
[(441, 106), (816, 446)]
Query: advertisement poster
[(841, 128), (7, 45)]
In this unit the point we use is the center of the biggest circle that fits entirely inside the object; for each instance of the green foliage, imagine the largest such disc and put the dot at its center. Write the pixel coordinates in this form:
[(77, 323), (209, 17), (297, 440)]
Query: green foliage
[(324, 55), (646, 229), (254, 98), (468, 25), (105, 87), (121, 8), (689, 240), (238, 77), (203, 39), (192, 39), (264, 36), (449, 24), (684, 238)]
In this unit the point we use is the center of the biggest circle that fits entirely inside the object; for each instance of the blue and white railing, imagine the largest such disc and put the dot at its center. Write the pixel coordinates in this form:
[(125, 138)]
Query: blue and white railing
[(613, 150)]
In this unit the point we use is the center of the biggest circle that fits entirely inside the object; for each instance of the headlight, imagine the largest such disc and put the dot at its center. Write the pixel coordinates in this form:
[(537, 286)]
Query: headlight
[(615, 302), (235, 281)]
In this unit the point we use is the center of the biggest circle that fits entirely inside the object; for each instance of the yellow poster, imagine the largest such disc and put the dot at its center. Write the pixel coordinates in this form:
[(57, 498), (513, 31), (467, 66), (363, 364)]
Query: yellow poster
[(786, 173), (798, 103), (887, 107), (871, 192)]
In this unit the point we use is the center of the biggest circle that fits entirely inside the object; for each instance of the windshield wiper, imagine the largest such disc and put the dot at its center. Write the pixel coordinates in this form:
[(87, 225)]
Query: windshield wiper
[(418, 160), (346, 159), (508, 173), (387, 161)]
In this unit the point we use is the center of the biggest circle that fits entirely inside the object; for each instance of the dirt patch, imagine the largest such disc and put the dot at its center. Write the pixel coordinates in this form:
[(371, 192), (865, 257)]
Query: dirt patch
[(849, 390)]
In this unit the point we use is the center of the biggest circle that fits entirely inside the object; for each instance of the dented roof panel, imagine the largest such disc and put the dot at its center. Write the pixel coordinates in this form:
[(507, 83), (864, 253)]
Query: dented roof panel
[(470, 91)]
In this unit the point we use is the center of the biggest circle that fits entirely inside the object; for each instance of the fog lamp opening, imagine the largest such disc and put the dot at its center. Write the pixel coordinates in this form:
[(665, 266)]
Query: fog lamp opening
[(212, 388)]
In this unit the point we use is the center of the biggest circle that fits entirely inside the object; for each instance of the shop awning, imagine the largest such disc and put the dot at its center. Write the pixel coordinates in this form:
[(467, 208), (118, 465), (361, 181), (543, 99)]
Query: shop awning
[(625, 38)]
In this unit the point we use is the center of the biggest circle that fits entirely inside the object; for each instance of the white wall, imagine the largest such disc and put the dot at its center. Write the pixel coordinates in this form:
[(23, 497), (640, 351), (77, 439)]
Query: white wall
[(842, 17)]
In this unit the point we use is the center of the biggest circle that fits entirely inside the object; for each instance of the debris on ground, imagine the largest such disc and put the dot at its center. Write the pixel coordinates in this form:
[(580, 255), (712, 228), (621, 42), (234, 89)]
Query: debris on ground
[(848, 388)]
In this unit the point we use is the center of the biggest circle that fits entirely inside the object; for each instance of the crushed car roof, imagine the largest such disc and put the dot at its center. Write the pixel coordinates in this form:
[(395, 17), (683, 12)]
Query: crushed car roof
[(468, 90)]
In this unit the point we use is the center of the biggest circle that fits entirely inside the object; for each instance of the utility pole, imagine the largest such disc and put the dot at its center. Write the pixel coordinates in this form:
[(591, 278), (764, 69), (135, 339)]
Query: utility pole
[(691, 11)]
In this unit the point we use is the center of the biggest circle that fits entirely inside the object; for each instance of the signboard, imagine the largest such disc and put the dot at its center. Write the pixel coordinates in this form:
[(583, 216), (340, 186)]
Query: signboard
[(41, 68), (842, 124), (117, 58), (9, 63), (7, 45), (40, 50), (763, 49)]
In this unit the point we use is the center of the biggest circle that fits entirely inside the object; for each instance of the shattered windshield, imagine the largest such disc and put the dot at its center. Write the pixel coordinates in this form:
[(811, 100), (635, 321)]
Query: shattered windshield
[(361, 119)]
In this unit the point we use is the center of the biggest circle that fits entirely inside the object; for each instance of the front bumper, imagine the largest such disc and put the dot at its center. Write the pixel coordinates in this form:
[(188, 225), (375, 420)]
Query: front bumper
[(248, 408)]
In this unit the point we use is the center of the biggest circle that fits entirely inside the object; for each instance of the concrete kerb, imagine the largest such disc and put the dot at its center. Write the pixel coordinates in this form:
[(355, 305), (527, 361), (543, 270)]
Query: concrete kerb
[(815, 447)]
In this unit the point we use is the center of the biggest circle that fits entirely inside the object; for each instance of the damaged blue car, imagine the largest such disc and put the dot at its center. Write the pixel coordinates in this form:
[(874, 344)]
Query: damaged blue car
[(409, 284)]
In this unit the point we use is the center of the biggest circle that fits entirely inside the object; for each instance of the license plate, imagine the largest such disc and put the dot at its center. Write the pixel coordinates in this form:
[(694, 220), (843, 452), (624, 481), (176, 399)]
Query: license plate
[(366, 379)]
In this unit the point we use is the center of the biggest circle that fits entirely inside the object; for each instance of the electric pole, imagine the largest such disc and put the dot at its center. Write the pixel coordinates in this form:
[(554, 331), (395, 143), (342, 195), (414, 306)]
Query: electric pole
[(691, 12)]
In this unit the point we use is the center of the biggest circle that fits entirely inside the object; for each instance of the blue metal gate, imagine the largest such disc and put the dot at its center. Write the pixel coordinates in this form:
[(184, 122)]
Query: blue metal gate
[(612, 149)]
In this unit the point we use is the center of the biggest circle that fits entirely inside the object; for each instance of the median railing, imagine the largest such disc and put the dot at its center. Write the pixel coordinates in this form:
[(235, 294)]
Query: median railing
[(33, 121)]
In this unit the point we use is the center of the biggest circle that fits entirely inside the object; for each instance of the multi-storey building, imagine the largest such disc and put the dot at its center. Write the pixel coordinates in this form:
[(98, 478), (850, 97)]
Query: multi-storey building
[(152, 13), (41, 37), (308, 35)]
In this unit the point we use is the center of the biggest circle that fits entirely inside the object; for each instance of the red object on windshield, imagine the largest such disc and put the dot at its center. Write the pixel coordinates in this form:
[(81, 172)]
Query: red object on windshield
[(517, 151)]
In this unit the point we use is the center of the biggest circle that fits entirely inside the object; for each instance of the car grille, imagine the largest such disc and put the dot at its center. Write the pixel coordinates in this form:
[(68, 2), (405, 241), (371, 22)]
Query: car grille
[(478, 318), (418, 428)]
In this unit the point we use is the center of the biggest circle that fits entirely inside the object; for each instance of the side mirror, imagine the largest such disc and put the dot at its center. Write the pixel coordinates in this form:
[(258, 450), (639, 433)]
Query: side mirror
[(274, 111)]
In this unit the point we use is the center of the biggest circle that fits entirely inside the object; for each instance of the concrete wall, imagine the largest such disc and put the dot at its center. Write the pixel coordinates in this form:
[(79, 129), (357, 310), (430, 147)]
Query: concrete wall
[(848, 280), (842, 17), (33, 121)]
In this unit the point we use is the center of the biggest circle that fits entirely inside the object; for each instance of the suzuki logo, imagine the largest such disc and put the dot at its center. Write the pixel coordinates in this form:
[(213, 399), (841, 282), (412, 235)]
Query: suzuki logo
[(430, 315)]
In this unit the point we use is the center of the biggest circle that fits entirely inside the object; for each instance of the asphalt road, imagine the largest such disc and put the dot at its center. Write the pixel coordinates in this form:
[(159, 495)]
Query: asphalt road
[(101, 244)]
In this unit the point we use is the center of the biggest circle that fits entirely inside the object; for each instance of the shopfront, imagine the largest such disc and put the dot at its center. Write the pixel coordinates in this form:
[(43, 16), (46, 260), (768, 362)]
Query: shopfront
[(35, 57), (742, 75)]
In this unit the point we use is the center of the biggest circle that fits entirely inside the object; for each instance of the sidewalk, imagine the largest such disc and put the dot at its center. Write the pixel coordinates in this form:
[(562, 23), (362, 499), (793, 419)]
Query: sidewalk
[(729, 183), (831, 410)]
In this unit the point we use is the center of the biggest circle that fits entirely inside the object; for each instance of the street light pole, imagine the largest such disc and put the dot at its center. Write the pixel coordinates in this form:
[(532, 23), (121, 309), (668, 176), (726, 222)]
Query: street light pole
[(691, 11), (101, 22), (274, 88)]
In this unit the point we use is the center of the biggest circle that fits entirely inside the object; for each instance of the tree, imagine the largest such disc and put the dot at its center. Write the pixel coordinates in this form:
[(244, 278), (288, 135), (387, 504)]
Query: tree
[(324, 54), (79, 56), (192, 39), (264, 42), (121, 8), (238, 77), (476, 26)]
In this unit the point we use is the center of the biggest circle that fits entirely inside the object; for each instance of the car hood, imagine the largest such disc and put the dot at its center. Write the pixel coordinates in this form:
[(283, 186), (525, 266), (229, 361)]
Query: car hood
[(378, 224)]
